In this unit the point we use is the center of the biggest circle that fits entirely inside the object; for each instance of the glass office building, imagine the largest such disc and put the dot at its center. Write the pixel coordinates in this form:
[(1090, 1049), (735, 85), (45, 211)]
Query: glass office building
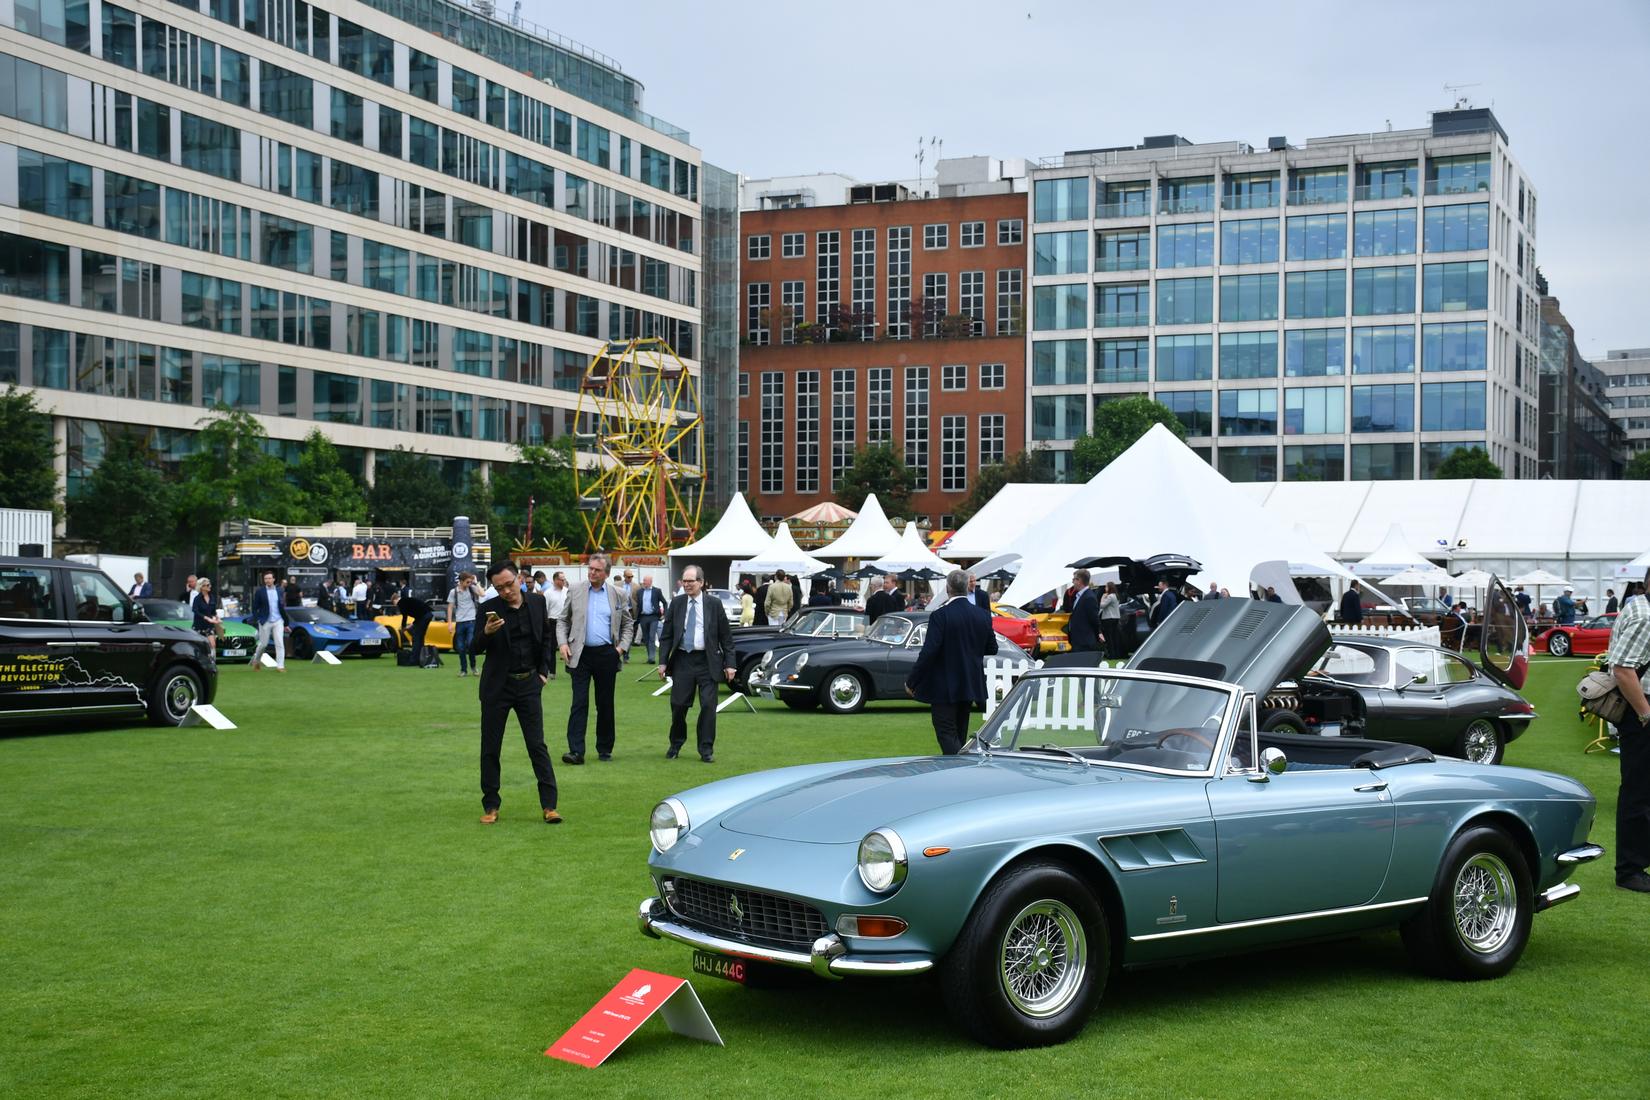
[(1357, 307), (404, 220)]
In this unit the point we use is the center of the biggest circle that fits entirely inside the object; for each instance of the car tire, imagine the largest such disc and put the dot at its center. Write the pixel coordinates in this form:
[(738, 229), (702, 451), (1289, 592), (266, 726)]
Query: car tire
[(843, 691), (178, 689), (1283, 721), (1032, 961), (1482, 742), (742, 678), (1477, 919), (1559, 644), (800, 702), (303, 649)]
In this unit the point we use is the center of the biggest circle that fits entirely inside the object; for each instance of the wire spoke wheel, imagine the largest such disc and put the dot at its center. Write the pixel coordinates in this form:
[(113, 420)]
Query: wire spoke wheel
[(641, 437), (1486, 903), (1480, 742), (1042, 958)]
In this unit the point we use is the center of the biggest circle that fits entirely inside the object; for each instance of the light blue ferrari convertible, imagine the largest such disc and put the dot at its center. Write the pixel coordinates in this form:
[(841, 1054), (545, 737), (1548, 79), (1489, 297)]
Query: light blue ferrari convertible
[(1126, 817)]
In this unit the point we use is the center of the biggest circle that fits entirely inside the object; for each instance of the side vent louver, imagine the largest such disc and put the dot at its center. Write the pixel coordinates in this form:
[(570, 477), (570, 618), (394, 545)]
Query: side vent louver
[(1189, 620), (1251, 621)]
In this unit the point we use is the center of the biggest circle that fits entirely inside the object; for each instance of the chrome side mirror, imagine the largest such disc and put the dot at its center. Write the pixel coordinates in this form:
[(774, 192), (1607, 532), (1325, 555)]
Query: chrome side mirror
[(1419, 678), (1272, 762)]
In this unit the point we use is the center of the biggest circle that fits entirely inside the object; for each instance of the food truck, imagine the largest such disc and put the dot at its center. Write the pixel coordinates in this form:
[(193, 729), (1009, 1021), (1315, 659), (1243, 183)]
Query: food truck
[(426, 558)]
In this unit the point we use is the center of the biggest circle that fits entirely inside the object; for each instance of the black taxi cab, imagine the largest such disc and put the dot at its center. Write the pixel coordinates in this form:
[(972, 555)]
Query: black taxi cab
[(73, 645)]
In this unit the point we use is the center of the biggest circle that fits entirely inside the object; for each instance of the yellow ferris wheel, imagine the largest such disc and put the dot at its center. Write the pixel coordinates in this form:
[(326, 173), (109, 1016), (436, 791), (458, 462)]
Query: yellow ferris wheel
[(639, 414)]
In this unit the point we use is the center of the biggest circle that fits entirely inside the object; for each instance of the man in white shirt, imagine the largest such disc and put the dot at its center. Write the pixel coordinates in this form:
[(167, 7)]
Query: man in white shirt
[(359, 595), (696, 649), (555, 598)]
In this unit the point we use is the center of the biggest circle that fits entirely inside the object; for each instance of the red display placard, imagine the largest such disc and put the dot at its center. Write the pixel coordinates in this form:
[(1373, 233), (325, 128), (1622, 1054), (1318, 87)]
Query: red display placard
[(628, 1006)]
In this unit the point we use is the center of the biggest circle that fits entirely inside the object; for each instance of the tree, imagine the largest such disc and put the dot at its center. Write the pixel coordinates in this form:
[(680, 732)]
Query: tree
[(542, 474), (407, 491), (1466, 462), (476, 499), (1639, 468), (231, 474), (1021, 466), (127, 506), (1117, 425), (878, 470), (327, 492), (28, 454)]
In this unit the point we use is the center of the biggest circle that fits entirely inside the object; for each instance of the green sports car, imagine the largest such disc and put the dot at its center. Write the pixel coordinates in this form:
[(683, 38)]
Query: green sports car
[(238, 639)]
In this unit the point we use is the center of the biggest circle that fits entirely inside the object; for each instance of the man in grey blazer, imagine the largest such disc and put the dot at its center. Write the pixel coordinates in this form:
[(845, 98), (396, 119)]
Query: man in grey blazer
[(594, 631)]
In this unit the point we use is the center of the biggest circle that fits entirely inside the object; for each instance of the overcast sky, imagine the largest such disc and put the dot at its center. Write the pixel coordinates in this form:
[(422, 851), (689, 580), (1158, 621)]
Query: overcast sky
[(771, 89)]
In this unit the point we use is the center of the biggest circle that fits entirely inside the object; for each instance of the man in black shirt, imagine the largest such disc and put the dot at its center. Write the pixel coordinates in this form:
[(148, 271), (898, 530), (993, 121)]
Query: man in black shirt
[(419, 613), (518, 639)]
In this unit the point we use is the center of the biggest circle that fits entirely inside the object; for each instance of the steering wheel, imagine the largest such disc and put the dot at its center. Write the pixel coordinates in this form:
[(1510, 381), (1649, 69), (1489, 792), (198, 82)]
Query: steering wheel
[(1192, 734)]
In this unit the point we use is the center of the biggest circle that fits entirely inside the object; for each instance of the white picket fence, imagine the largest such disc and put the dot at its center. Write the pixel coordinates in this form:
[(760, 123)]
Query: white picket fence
[(1060, 702), (1422, 635)]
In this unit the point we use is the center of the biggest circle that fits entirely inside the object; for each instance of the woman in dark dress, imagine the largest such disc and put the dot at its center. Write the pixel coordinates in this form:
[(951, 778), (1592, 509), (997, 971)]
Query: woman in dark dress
[(208, 613)]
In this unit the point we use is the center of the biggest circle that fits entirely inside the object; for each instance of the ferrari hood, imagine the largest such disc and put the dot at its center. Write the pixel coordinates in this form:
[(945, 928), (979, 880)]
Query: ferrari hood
[(842, 808)]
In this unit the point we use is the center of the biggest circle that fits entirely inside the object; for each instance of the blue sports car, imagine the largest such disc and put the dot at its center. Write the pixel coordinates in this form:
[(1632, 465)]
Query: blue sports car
[(1119, 817), (316, 630)]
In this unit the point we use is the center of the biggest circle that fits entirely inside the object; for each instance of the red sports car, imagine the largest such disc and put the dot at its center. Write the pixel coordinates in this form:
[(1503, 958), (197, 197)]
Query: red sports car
[(1585, 639), (1015, 625)]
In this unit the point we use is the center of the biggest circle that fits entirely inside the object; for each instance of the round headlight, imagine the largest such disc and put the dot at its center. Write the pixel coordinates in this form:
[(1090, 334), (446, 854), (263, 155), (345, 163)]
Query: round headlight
[(802, 662), (882, 861), (667, 824), (767, 658)]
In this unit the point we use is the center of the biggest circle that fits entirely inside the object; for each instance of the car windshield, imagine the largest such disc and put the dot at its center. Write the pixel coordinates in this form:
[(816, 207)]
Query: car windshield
[(166, 609), (1129, 721), (315, 615), (1003, 611), (1354, 664), (809, 623), (893, 629)]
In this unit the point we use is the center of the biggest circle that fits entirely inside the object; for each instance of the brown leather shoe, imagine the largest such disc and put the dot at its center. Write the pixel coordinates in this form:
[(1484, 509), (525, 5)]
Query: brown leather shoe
[(551, 817), (490, 817)]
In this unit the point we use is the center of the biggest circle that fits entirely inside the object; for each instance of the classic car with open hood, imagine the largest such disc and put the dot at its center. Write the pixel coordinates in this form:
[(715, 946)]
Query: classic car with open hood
[(1132, 816)]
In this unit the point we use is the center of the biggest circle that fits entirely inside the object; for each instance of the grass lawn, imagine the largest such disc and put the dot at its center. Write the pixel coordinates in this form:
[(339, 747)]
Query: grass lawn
[(308, 906)]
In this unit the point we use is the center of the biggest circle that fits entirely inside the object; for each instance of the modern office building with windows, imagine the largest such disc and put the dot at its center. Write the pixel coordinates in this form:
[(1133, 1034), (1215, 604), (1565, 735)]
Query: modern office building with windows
[(1627, 384), (892, 320), (401, 219), (1356, 307)]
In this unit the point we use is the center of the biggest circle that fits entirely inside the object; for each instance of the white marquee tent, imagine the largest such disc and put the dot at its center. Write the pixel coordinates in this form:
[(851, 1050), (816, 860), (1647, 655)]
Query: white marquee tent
[(869, 537), (1159, 497), (736, 535), (1588, 531), (1394, 555), (784, 554)]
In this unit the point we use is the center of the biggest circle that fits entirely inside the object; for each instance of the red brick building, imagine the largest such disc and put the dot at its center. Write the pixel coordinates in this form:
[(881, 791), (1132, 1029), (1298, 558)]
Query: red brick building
[(883, 322)]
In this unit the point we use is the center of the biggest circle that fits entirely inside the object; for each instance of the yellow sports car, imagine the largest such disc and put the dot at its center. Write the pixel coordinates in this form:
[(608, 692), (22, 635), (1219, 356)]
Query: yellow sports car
[(1051, 632), (440, 634)]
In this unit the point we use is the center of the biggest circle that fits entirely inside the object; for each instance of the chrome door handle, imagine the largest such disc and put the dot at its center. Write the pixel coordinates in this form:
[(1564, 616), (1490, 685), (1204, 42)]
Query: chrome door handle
[(1371, 787)]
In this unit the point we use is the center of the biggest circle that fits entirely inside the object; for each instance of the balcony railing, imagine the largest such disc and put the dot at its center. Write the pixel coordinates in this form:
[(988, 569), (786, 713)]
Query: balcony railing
[(1123, 263), (1252, 201), (1110, 376), (1321, 196), (1128, 208), (1368, 191), (1197, 204), (1456, 187), (1121, 320)]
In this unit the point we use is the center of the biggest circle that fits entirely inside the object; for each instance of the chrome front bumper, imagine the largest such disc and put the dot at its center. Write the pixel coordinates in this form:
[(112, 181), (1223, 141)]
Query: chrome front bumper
[(828, 958), (1567, 891)]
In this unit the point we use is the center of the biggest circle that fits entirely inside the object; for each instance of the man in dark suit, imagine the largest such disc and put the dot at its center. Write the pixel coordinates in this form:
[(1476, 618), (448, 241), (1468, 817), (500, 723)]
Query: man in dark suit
[(981, 598), (696, 650), (884, 600), (647, 605), (518, 639), (950, 671), (1352, 605), (1166, 601), (1084, 626), (420, 614)]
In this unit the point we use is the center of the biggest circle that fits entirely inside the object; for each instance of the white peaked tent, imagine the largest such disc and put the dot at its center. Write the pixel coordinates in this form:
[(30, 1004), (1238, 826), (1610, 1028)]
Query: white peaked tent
[(736, 535), (1394, 555), (784, 554), (1014, 507), (1159, 497), (870, 536), (913, 553)]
